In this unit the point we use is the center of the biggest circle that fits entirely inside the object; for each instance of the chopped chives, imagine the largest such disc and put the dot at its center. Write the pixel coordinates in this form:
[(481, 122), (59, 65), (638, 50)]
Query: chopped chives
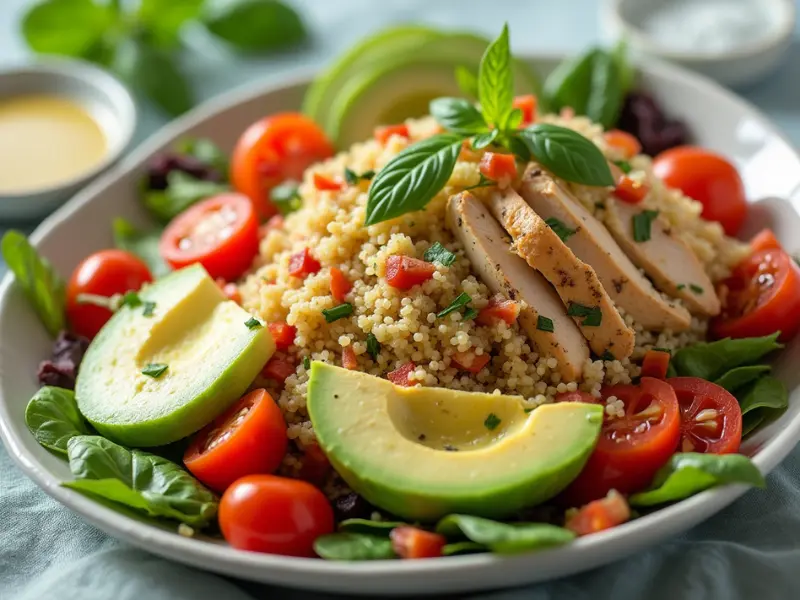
[(560, 228), (607, 355), (544, 324), (681, 286), (695, 288), (461, 301), (491, 422), (373, 346), (306, 363), (253, 323), (624, 166), (154, 370), (131, 299), (592, 315), (642, 223), (337, 312), (470, 313), (149, 307), (439, 254)]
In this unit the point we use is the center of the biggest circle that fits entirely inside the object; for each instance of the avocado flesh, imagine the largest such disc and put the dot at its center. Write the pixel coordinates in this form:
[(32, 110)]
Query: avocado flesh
[(212, 359), (421, 453)]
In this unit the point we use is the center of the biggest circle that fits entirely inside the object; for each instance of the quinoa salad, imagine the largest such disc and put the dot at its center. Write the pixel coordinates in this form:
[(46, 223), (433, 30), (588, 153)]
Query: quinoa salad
[(519, 319)]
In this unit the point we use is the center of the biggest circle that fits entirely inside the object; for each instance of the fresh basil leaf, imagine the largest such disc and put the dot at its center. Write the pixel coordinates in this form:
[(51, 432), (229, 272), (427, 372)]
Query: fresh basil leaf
[(460, 302), (625, 68), (155, 73), (143, 244), (164, 20), (150, 484), (353, 546), (605, 101), (467, 82), (504, 538), (463, 548), (43, 287), (712, 360), (412, 178), (369, 527), (207, 152), (286, 196), (458, 115), (182, 191), (688, 473), (66, 27), (740, 376), (496, 81), (514, 119), (437, 253), (567, 154), (519, 147), (254, 24), (762, 401), (53, 417), (482, 140), (570, 83)]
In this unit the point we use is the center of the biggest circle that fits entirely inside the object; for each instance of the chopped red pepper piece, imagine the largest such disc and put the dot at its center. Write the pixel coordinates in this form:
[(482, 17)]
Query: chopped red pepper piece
[(412, 542), (325, 183), (469, 361), (349, 360), (278, 368), (404, 272), (400, 375), (623, 141), (527, 104), (498, 309), (303, 264), (283, 334), (599, 515), (383, 133), (655, 364), (340, 285), (230, 290), (630, 191), (498, 166)]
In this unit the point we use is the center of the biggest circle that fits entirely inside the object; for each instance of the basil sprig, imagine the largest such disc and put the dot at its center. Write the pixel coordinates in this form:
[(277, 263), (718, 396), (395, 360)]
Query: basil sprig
[(412, 178)]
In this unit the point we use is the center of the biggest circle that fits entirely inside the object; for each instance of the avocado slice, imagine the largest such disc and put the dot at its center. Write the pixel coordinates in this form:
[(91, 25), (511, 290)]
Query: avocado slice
[(211, 355), (422, 453)]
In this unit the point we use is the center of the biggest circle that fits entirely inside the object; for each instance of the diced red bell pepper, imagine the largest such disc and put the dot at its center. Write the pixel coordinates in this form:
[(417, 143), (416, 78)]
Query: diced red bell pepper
[(412, 542), (599, 515), (400, 375), (623, 141), (765, 240), (340, 285), (469, 361), (278, 368), (283, 334), (384, 132), (325, 183), (230, 290), (404, 272), (527, 104), (655, 364), (498, 166), (303, 264), (349, 360), (498, 309), (631, 191)]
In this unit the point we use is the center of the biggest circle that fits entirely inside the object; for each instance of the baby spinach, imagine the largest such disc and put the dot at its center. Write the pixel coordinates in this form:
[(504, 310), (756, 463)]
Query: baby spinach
[(463, 548), (354, 546), (765, 399), (182, 191), (254, 24), (687, 474), (43, 287), (712, 360), (147, 483), (504, 538), (53, 417), (143, 244), (739, 377), (205, 151), (368, 526)]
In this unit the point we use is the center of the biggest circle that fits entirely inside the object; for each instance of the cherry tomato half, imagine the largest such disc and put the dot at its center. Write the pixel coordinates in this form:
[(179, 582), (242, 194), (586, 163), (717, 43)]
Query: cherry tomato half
[(711, 420), (633, 447), (708, 178), (220, 233), (265, 513), (761, 296), (103, 273), (250, 437), (275, 149)]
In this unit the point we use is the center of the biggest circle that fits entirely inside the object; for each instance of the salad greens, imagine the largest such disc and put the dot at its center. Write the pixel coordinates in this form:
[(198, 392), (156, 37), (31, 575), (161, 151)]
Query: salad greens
[(712, 360), (739, 377), (143, 244), (206, 152), (503, 538), (762, 401), (687, 474), (183, 190), (53, 417), (354, 546)]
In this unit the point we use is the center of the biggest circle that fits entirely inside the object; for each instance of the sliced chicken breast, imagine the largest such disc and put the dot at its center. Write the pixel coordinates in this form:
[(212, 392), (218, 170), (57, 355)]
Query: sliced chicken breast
[(666, 258), (489, 250), (591, 242), (575, 282)]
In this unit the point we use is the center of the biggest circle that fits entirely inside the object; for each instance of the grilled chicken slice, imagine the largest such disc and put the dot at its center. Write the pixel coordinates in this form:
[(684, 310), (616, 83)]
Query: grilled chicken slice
[(667, 259), (592, 243), (489, 250), (576, 282)]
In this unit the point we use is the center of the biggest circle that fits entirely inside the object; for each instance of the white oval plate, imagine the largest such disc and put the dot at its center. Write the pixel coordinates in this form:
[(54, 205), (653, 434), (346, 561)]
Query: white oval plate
[(720, 120)]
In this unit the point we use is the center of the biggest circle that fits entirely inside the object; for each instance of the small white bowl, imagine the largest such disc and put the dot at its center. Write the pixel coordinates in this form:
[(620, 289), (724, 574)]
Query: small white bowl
[(102, 95), (743, 65)]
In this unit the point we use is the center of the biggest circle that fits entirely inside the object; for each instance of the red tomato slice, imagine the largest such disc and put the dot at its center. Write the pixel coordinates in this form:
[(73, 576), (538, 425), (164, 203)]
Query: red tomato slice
[(633, 447), (220, 233), (275, 149), (404, 272), (765, 240), (761, 296), (413, 542), (600, 515), (400, 375), (711, 420), (249, 438), (630, 191)]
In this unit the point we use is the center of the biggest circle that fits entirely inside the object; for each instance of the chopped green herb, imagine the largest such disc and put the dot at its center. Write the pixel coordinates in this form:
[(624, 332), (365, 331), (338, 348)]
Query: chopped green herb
[(306, 363), (592, 315), (338, 312), (352, 178), (560, 228), (154, 370), (149, 307), (491, 422), (600, 205), (131, 300), (695, 288), (460, 302), (439, 254), (624, 166), (528, 410), (484, 181), (373, 346), (681, 286), (286, 197), (544, 324), (607, 355), (642, 223), (253, 323), (470, 313)]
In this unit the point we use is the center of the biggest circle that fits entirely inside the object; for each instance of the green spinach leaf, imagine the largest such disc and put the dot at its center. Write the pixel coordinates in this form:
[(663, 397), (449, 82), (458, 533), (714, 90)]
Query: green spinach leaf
[(762, 401), (67, 27), (712, 360), (53, 417), (369, 527), (35, 275), (254, 24), (740, 376), (458, 115), (496, 81), (687, 474), (463, 548), (504, 538), (182, 191), (164, 20), (354, 546), (145, 482), (143, 244), (207, 152)]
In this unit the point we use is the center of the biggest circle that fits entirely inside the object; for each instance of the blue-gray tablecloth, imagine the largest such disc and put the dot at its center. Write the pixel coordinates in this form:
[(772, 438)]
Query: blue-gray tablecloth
[(751, 550)]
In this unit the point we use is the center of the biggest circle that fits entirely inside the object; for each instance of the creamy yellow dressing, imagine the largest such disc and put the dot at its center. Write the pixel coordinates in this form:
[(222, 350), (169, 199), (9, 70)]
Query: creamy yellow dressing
[(46, 140)]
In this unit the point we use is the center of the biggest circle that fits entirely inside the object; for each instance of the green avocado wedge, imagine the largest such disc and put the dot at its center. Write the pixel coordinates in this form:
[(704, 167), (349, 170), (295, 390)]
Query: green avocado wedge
[(162, 369), (422, 453)]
